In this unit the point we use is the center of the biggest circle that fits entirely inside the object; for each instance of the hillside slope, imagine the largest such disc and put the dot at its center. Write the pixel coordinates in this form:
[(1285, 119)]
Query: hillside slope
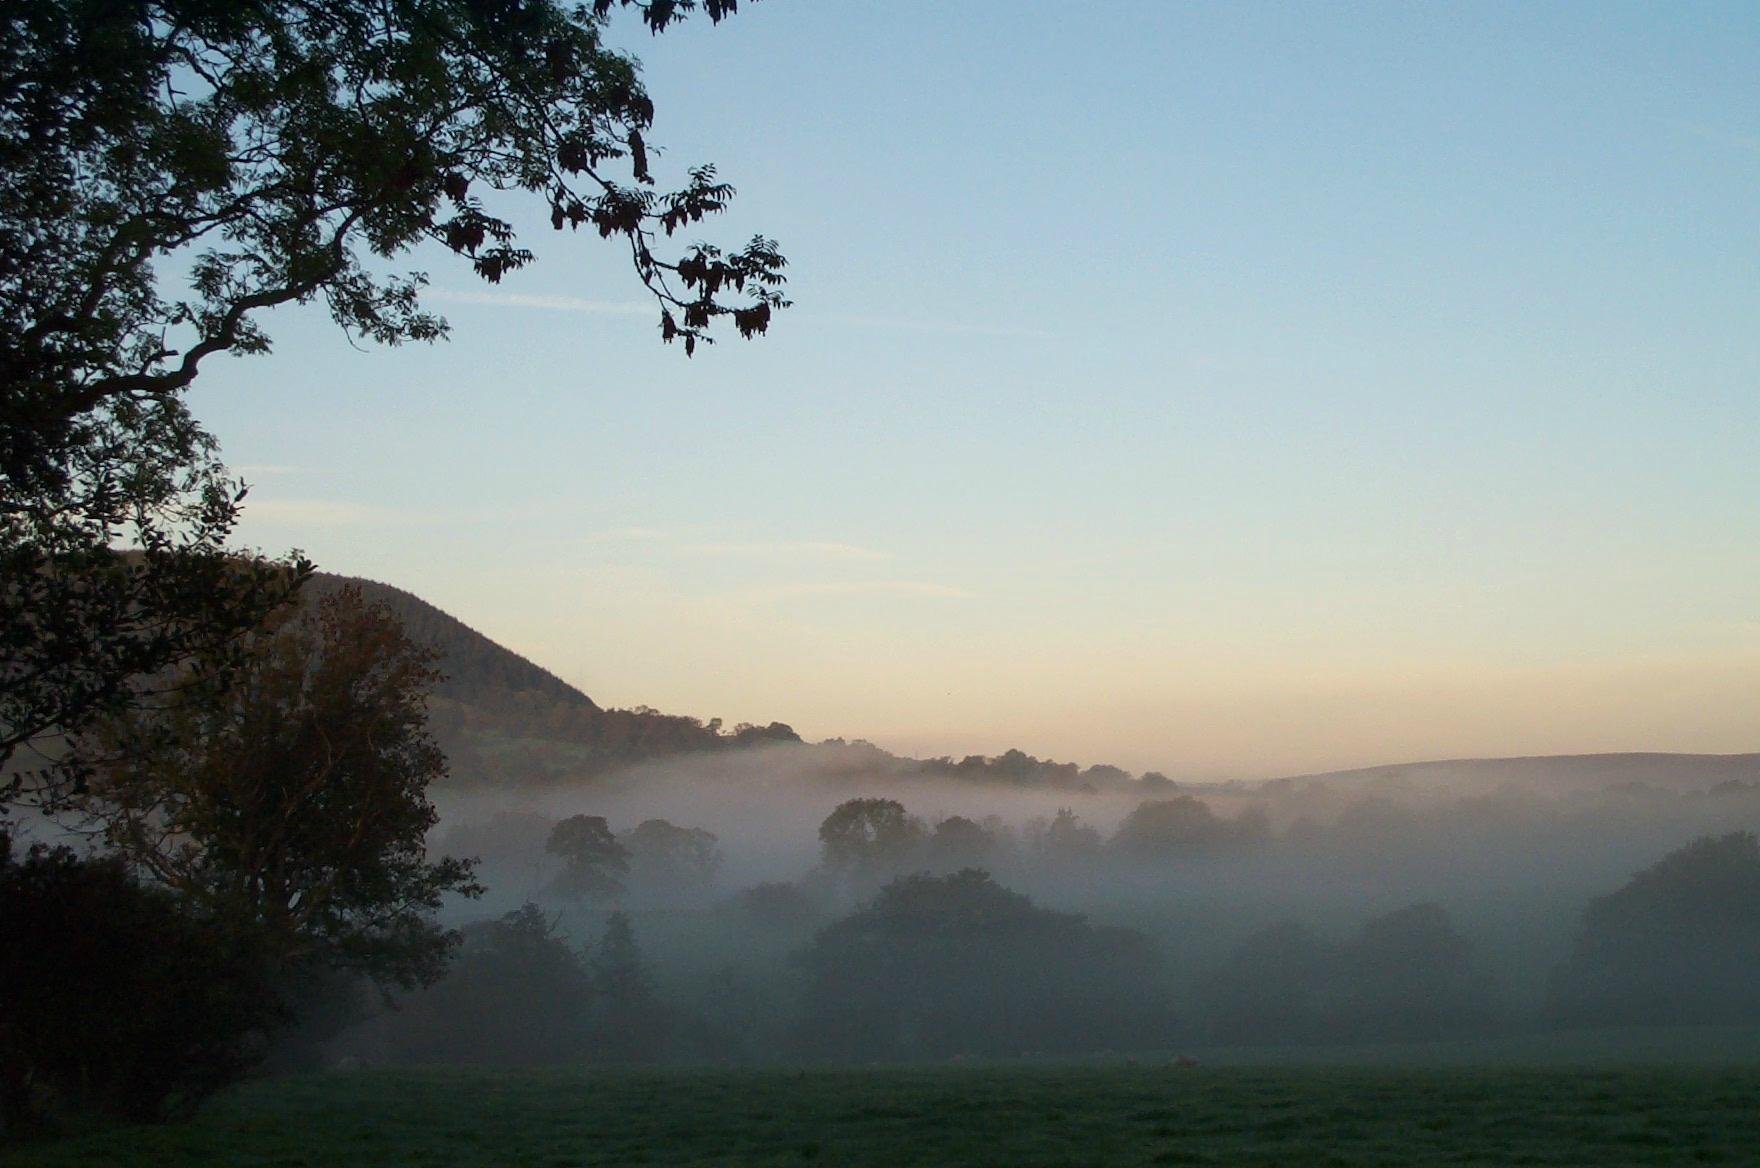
[(505, 721), (1560, 774), (474, 666)]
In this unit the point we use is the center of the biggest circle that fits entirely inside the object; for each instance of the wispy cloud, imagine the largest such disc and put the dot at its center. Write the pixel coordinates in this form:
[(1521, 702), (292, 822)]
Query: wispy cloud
[(546, 303), (259, 470), (765, 549), (320, 513), (951, 328), (775, 549), (921, 588), (626, 535)]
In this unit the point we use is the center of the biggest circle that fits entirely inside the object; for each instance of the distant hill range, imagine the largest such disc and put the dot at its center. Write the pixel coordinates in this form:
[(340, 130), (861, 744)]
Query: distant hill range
[(506, 721), (1555, 774)]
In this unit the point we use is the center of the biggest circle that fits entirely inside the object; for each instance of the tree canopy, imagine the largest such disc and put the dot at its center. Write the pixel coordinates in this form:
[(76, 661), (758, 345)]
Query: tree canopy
[(868, 835), (594, 861)]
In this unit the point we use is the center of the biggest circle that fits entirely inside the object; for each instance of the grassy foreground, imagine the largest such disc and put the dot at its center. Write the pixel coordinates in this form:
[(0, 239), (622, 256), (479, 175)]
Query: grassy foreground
[(956, 1116)]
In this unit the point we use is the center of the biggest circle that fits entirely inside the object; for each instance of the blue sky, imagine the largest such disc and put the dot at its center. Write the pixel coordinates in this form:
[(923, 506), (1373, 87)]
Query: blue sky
[(1222, 389)]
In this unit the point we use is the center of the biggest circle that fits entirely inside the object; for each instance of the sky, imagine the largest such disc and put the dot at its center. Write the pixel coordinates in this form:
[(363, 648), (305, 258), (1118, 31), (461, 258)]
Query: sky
[(1228, 390)]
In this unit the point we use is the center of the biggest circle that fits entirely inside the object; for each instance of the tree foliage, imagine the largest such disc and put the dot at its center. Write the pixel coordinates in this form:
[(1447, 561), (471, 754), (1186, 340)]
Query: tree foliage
[(1272, 988), (1410, 975), (1065, 839), (670, 860), (1183, 826), (1405, 976), (594, 861), (288, 797), (958, 842), (280, 146), (869, 835)]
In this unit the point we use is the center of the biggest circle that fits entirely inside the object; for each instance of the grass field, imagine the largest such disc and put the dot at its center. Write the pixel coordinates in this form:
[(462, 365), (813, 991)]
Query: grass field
[(1115, 1115)]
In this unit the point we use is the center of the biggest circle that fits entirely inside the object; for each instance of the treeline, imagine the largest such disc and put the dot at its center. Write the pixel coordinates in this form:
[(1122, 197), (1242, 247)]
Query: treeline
[(1016, 768), (904, 943)]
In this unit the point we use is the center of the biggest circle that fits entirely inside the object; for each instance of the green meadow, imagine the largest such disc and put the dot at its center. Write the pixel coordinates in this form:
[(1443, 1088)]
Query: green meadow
[(1116, 1115)]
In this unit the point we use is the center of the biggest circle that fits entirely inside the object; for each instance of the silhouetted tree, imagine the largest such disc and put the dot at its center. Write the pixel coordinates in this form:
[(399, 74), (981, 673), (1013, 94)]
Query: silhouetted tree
[(672, 860), (630, 1024), (1104, 776), (1164, 829), (1065, 839), (1409, 975), (594, 863), (958, 842), (868, 836), (1168, 829), (1678, 944), (287, 796), (746, 734)]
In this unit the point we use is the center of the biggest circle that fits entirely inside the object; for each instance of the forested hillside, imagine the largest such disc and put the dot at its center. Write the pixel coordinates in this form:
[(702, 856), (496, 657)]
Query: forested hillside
[(505, 721)]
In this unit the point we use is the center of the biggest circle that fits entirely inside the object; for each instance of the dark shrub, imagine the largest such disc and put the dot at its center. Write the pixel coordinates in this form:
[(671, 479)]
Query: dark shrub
[(1678, 945), (516, 994), (630, 1025), (938, 966), (113, 997)]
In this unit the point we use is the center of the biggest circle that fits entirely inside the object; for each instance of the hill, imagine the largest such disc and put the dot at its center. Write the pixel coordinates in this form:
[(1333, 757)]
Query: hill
[(475, 666), (506, 721), (1555, 775)]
